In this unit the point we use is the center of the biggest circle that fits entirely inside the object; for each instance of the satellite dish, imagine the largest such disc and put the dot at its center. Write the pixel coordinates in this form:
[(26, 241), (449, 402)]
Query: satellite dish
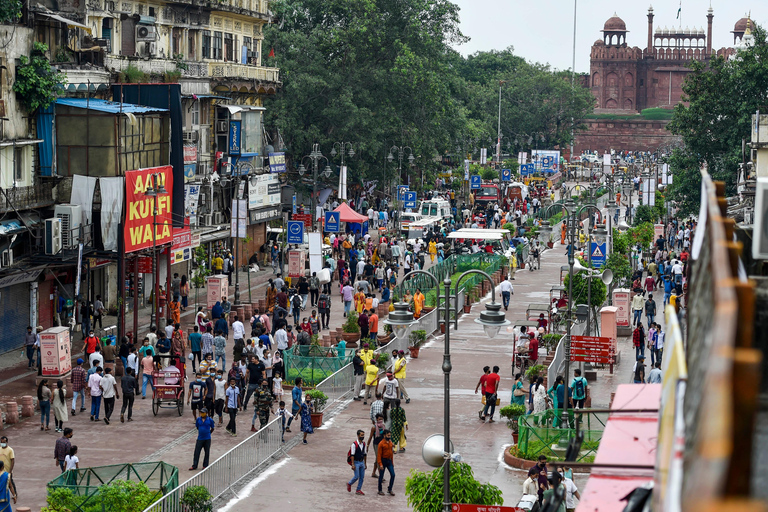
[(432, 451)]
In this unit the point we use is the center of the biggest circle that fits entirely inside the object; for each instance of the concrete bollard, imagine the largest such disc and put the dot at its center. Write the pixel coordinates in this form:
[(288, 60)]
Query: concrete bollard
[(11, 413), (27, 406)]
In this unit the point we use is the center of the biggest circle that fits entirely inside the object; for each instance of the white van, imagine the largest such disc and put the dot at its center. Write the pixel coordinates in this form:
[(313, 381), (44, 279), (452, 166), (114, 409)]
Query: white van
[(436, 208)]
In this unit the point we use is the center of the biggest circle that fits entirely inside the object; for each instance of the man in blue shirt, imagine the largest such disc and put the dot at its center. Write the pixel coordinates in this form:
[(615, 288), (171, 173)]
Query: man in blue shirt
[(295, 402), (205, 427), (195, 345)]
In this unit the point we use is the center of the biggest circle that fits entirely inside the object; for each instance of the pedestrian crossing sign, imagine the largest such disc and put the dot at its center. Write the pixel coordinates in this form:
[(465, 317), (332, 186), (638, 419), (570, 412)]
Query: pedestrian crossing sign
[(598, 254)]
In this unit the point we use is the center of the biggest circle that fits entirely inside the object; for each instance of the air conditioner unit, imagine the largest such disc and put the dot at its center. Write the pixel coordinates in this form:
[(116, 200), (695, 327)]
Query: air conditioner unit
[(218, 218), (146, 33), (71, 216), (190, 136), (52, 236), (7, 259), (204, 220), (221, 126), (151, 48)]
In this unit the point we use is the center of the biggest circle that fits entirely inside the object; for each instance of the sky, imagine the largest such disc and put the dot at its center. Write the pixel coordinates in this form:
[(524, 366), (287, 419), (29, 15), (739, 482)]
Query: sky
[(542, 30)]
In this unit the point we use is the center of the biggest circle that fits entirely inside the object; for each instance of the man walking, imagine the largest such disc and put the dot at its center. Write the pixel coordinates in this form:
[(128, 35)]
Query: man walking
[(578, 389), (94, 384), (650, 309), (506, 292), (637, 307), (79, 383), (295, 402), (253, 375), (233, 404), (108, 392), (390, 388), (359, 463), (205, 426), (324, 308), (197, 393), (385, 455), (491, 390), (29, 344), (61, 450), (358, 366), (130, 387), (263, 407)]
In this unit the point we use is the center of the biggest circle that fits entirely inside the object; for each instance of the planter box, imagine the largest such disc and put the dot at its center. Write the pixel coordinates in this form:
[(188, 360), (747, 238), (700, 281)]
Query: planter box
[(414, 352), (467, 308), (383, 310), (317, 419)]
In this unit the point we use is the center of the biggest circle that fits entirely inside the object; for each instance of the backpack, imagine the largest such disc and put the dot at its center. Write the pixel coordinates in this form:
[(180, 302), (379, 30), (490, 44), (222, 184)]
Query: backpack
[(322, 303), (578, 388), (350, 455)]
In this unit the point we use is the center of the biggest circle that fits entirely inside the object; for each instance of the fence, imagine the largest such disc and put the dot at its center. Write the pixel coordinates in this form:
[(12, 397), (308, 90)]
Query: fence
[(316, 364), (557, 366), (543, 434)]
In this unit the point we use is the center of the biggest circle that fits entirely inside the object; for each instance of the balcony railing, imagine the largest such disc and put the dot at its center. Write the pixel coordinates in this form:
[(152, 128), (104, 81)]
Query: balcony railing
[(244, 71), (24, 198), (157, 66)]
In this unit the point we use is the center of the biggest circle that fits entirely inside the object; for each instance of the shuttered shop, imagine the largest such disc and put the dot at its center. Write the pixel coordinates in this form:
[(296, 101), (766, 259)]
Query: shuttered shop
[(14, 310)]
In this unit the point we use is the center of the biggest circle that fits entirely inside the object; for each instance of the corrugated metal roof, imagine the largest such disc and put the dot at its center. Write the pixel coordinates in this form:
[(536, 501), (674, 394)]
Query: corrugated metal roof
[(111, 107)]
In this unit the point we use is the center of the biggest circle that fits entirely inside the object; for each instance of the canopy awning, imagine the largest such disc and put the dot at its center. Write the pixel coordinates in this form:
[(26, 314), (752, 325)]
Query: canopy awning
[(347, 214), (62, 19)]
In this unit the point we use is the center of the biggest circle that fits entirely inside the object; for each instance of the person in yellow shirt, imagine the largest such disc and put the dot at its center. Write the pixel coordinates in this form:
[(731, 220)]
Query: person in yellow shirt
[(418, 303), (359, 301), (371, 380), (366, 354), (217, 263), (432, 250), (400, 363)]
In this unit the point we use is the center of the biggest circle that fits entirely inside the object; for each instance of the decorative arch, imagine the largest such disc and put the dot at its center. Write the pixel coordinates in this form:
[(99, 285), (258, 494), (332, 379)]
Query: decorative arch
[(595, 79), (611, 103), (627, 104), (612, 79), (629, 80)]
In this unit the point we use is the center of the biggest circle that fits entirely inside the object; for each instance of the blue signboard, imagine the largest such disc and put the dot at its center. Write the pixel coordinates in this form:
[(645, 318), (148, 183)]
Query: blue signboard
[(598, 254), (234, 137), (506, 175), (277, 162), (294, 204), (410, 199), (189, 171), (295, 232), (332, 221), (475, 182), (401, 190), (526, 169)]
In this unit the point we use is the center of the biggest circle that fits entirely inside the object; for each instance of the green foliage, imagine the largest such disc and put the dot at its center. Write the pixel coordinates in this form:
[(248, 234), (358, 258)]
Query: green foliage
[(200, 257), (619, 264), (580, 290), (550, 341), (650, 114), (489, 174), (319, 399), (621, 241), (535, 371), (180, 64), (721, 95), (123, 495), (456, 185), (424, 490), (133, 75), (309, 375), (10, 11), (172, 77), (512, 413), (642, 234), (382, 360), (36, 81), (197, 499), (417, 338), (351, 324), (643, 214), (510, 227)]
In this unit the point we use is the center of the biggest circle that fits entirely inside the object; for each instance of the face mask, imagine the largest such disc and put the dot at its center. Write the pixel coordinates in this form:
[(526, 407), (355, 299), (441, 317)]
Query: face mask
[(218, 377), (3, 445)]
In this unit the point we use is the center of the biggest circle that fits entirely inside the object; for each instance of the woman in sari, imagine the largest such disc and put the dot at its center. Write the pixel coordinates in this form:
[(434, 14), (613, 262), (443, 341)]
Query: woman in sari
[(271, 296), (6, 492), (398, 422), (359, 301), (306, 419), (518, 397)]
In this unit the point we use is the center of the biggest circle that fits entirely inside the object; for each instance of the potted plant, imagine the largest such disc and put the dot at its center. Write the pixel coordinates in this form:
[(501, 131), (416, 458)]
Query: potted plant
[(512, 413), (197, 499), (470, 298), (382, 361), (319, 399), (535, 371), (415, 340), (350, 330)]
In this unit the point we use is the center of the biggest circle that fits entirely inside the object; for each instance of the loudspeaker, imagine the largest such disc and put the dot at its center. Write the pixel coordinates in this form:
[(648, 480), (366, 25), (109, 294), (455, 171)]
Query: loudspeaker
[(432, 451)]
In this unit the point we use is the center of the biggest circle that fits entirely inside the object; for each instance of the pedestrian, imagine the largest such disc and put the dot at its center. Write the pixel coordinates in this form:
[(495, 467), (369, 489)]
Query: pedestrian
[(359, 462), (147, 367), (6, 491), (220, 395), (358, 368), (61, 450), (571, 490), (205, 427), (79, 383), (233, 403), (8, 458), (306, 419), (129, 386), (531, 484), (324, 308), (654, 376), (197, 393), (400, 370), (72, 461), (637, 307), (548, 498), (219, 344), (371, 380), (579, 389), (390, 390), (90, 345), (282, 415), (491, 393), (385, 456), (638, 340), (184, 289), (109, 393), (638, 372), (277, 383), (373, 325), (650, 309), (376, 435), (347, 295), (60, 406), (44, 401), (399, 426), (195, 343), (518, 391), (539, 396), (506, 292), (253, 375), (29, 344), (98, 312), (295, 402)]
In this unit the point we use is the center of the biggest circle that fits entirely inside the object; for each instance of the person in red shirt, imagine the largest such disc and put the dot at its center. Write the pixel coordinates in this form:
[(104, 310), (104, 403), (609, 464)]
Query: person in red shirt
[(650, 283), (490, 383), (481, 386), (373, 324), (542, 322), (90, 344)]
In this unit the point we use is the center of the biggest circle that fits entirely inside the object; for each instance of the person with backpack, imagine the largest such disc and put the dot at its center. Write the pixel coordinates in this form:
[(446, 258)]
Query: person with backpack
[(324, 308), (578, 389), (357, 457)]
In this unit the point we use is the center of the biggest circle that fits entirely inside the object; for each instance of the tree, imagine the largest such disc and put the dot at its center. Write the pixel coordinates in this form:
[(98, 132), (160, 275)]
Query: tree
[(643, 214), (722, 96), (621, 267), (489, 174), (424, 490), (36, 81), (580, 291)]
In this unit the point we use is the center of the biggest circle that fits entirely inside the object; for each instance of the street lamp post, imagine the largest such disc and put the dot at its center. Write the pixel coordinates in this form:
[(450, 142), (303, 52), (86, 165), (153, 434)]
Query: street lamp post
[(238, 170), (492, 320), (157, 189), (400, 154), (498, 132), (315, 156)]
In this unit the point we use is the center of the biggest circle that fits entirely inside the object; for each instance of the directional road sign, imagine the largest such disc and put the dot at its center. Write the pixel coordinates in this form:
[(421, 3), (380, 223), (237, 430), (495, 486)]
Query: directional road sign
[(332, 221), (295, 232), (506, 175), (410, 199), (475, 182), (598, 253)]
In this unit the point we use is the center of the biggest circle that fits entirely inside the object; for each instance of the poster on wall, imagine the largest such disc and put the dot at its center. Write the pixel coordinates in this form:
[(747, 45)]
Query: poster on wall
[(191, 198), (139, 219), (265, 192), (239, 219), (296, 263)]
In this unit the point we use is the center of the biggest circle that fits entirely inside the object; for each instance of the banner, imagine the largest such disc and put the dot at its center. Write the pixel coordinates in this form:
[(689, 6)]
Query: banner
[(239, 218), (139, 219), (265, 191), (277, 162), (546, 160), (191, 198), (296, 263), (111, 210), (343, 182)]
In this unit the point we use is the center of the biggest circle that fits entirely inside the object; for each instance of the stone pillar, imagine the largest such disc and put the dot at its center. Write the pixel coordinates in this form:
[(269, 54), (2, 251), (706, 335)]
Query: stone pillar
[(710, 15), (11, 413), (27, 406), (650, 31)]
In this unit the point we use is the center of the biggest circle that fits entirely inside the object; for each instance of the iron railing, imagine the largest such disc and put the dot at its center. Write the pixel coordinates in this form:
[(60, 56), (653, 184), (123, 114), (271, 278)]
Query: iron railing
[(546, 434)]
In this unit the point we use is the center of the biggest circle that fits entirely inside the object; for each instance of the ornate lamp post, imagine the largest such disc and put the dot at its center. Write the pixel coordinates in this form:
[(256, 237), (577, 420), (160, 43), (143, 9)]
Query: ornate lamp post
[(315, 156)]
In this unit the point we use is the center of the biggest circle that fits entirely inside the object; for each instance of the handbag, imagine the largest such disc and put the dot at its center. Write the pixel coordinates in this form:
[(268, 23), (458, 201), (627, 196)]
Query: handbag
[(519, 392), (498, 400)]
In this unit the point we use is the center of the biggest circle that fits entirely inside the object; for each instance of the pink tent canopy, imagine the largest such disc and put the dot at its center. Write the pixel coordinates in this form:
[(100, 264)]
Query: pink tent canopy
[(349, 215)]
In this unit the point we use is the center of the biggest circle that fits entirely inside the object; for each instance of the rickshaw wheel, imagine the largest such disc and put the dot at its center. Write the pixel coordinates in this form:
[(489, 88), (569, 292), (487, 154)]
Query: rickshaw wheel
[(155, 406), (180, 403)]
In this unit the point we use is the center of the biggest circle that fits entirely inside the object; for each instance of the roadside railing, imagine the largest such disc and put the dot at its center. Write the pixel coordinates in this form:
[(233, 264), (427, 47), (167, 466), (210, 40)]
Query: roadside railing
[(547, 434)]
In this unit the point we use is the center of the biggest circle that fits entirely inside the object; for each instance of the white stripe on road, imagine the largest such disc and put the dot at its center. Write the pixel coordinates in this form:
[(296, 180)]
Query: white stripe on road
[(248, 489)]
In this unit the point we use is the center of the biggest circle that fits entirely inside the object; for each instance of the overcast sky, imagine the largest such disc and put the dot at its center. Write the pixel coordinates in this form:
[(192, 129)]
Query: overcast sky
[(542, 30)]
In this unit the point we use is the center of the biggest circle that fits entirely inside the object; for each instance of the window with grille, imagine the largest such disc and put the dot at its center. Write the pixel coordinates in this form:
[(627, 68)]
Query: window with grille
[(216, 52), (206, 44)]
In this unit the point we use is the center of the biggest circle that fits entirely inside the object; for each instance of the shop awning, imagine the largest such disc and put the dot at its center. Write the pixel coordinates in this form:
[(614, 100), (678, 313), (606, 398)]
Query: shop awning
[(62, 19), (349, 215)]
